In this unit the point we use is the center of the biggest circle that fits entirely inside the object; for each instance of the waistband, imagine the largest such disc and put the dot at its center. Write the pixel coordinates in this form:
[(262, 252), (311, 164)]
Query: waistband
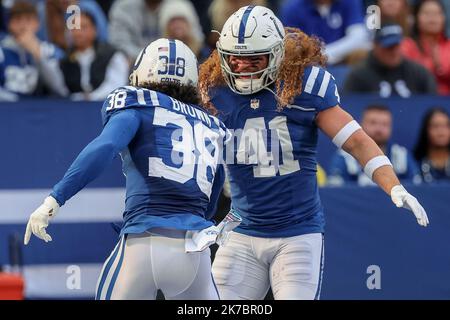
[(169, 233)]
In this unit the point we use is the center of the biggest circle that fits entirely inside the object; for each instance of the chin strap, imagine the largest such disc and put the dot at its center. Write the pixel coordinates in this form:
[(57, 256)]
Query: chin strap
[(240, 83)]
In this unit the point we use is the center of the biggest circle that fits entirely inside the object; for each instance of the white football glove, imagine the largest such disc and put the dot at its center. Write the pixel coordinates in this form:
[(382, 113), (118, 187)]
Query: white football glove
[(200, 240), (39, 220), (402, 198)]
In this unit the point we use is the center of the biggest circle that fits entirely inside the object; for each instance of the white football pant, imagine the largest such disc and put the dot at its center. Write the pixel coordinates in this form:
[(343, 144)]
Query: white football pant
[(141, 264), (247, 266)]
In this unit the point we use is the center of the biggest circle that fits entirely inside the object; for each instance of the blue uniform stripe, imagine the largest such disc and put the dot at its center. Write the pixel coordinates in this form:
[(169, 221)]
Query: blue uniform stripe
[(172, 56), (116, 272), (244, 23), (319, 285), (105, 273), (318, 82)]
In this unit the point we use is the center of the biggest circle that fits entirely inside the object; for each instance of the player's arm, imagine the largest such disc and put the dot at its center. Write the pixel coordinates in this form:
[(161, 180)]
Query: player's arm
[(94, 158), (348, 135), (220, 175), (201, 239), (217, 186)]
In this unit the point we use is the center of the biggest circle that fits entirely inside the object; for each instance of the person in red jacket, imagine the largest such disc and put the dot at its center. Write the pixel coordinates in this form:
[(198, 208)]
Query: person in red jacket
[(429, 45)]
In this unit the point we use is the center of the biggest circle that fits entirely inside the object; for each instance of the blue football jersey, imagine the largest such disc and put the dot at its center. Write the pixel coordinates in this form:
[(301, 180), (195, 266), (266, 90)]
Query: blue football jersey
[(172, 165), (19, 73), (272, 158)]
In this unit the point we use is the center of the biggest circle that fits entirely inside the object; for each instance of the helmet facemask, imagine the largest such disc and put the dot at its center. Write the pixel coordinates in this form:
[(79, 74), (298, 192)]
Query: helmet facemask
[(257, 80)]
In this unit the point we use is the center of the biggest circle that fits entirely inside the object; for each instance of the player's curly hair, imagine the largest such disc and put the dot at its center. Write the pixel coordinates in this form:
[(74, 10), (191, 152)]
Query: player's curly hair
[(184, 92), (301, 51)]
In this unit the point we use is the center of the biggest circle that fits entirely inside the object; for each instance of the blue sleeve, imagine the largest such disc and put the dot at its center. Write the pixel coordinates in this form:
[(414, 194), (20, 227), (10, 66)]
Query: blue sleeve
[(290, 14), (51, 51), (332, 97), (219, 179), (354, 13), (129, 97), (97, 155), (321, 86), (59, 53)]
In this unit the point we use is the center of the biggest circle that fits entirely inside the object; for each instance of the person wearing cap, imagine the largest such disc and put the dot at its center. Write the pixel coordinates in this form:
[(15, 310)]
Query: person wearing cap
[(58, 13), (92, 69), (386, 72)]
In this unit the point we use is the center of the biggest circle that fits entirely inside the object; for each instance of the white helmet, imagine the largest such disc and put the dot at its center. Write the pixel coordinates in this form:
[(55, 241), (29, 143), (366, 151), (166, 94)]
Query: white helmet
[(252, 30), (165, 60)]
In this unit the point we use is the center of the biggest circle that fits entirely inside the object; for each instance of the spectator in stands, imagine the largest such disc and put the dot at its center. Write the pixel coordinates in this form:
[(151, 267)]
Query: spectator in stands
[(39, 5), (133, 24), (429, 45), (397, 11), (56, 17), (340, 24), (386, 72), (201, 7), (178, 20), (22, 54), (433, 148), (92, 69), (377, 123), (220, 10)]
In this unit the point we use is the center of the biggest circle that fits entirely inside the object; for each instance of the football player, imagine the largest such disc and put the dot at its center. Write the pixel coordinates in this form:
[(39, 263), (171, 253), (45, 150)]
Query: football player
[(171, 151), (269, 86)]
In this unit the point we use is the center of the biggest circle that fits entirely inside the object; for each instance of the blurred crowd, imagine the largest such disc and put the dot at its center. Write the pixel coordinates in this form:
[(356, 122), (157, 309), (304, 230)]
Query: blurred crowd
[(396, 48), (429, 162)]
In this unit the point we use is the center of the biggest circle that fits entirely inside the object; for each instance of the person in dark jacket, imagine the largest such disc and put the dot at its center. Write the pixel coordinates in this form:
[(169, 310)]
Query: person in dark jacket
[(386, 72), (91, 69)]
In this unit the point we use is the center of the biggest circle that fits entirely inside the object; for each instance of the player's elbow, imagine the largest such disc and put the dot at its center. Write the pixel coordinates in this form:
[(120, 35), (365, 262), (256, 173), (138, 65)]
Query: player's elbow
[(357, 141), (104, 147)]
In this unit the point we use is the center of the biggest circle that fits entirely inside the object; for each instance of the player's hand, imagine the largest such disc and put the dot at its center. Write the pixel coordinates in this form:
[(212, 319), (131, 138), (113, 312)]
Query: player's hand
[(403, 199), (231, 221), (39, 220), (30, 42), (200, 240)]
